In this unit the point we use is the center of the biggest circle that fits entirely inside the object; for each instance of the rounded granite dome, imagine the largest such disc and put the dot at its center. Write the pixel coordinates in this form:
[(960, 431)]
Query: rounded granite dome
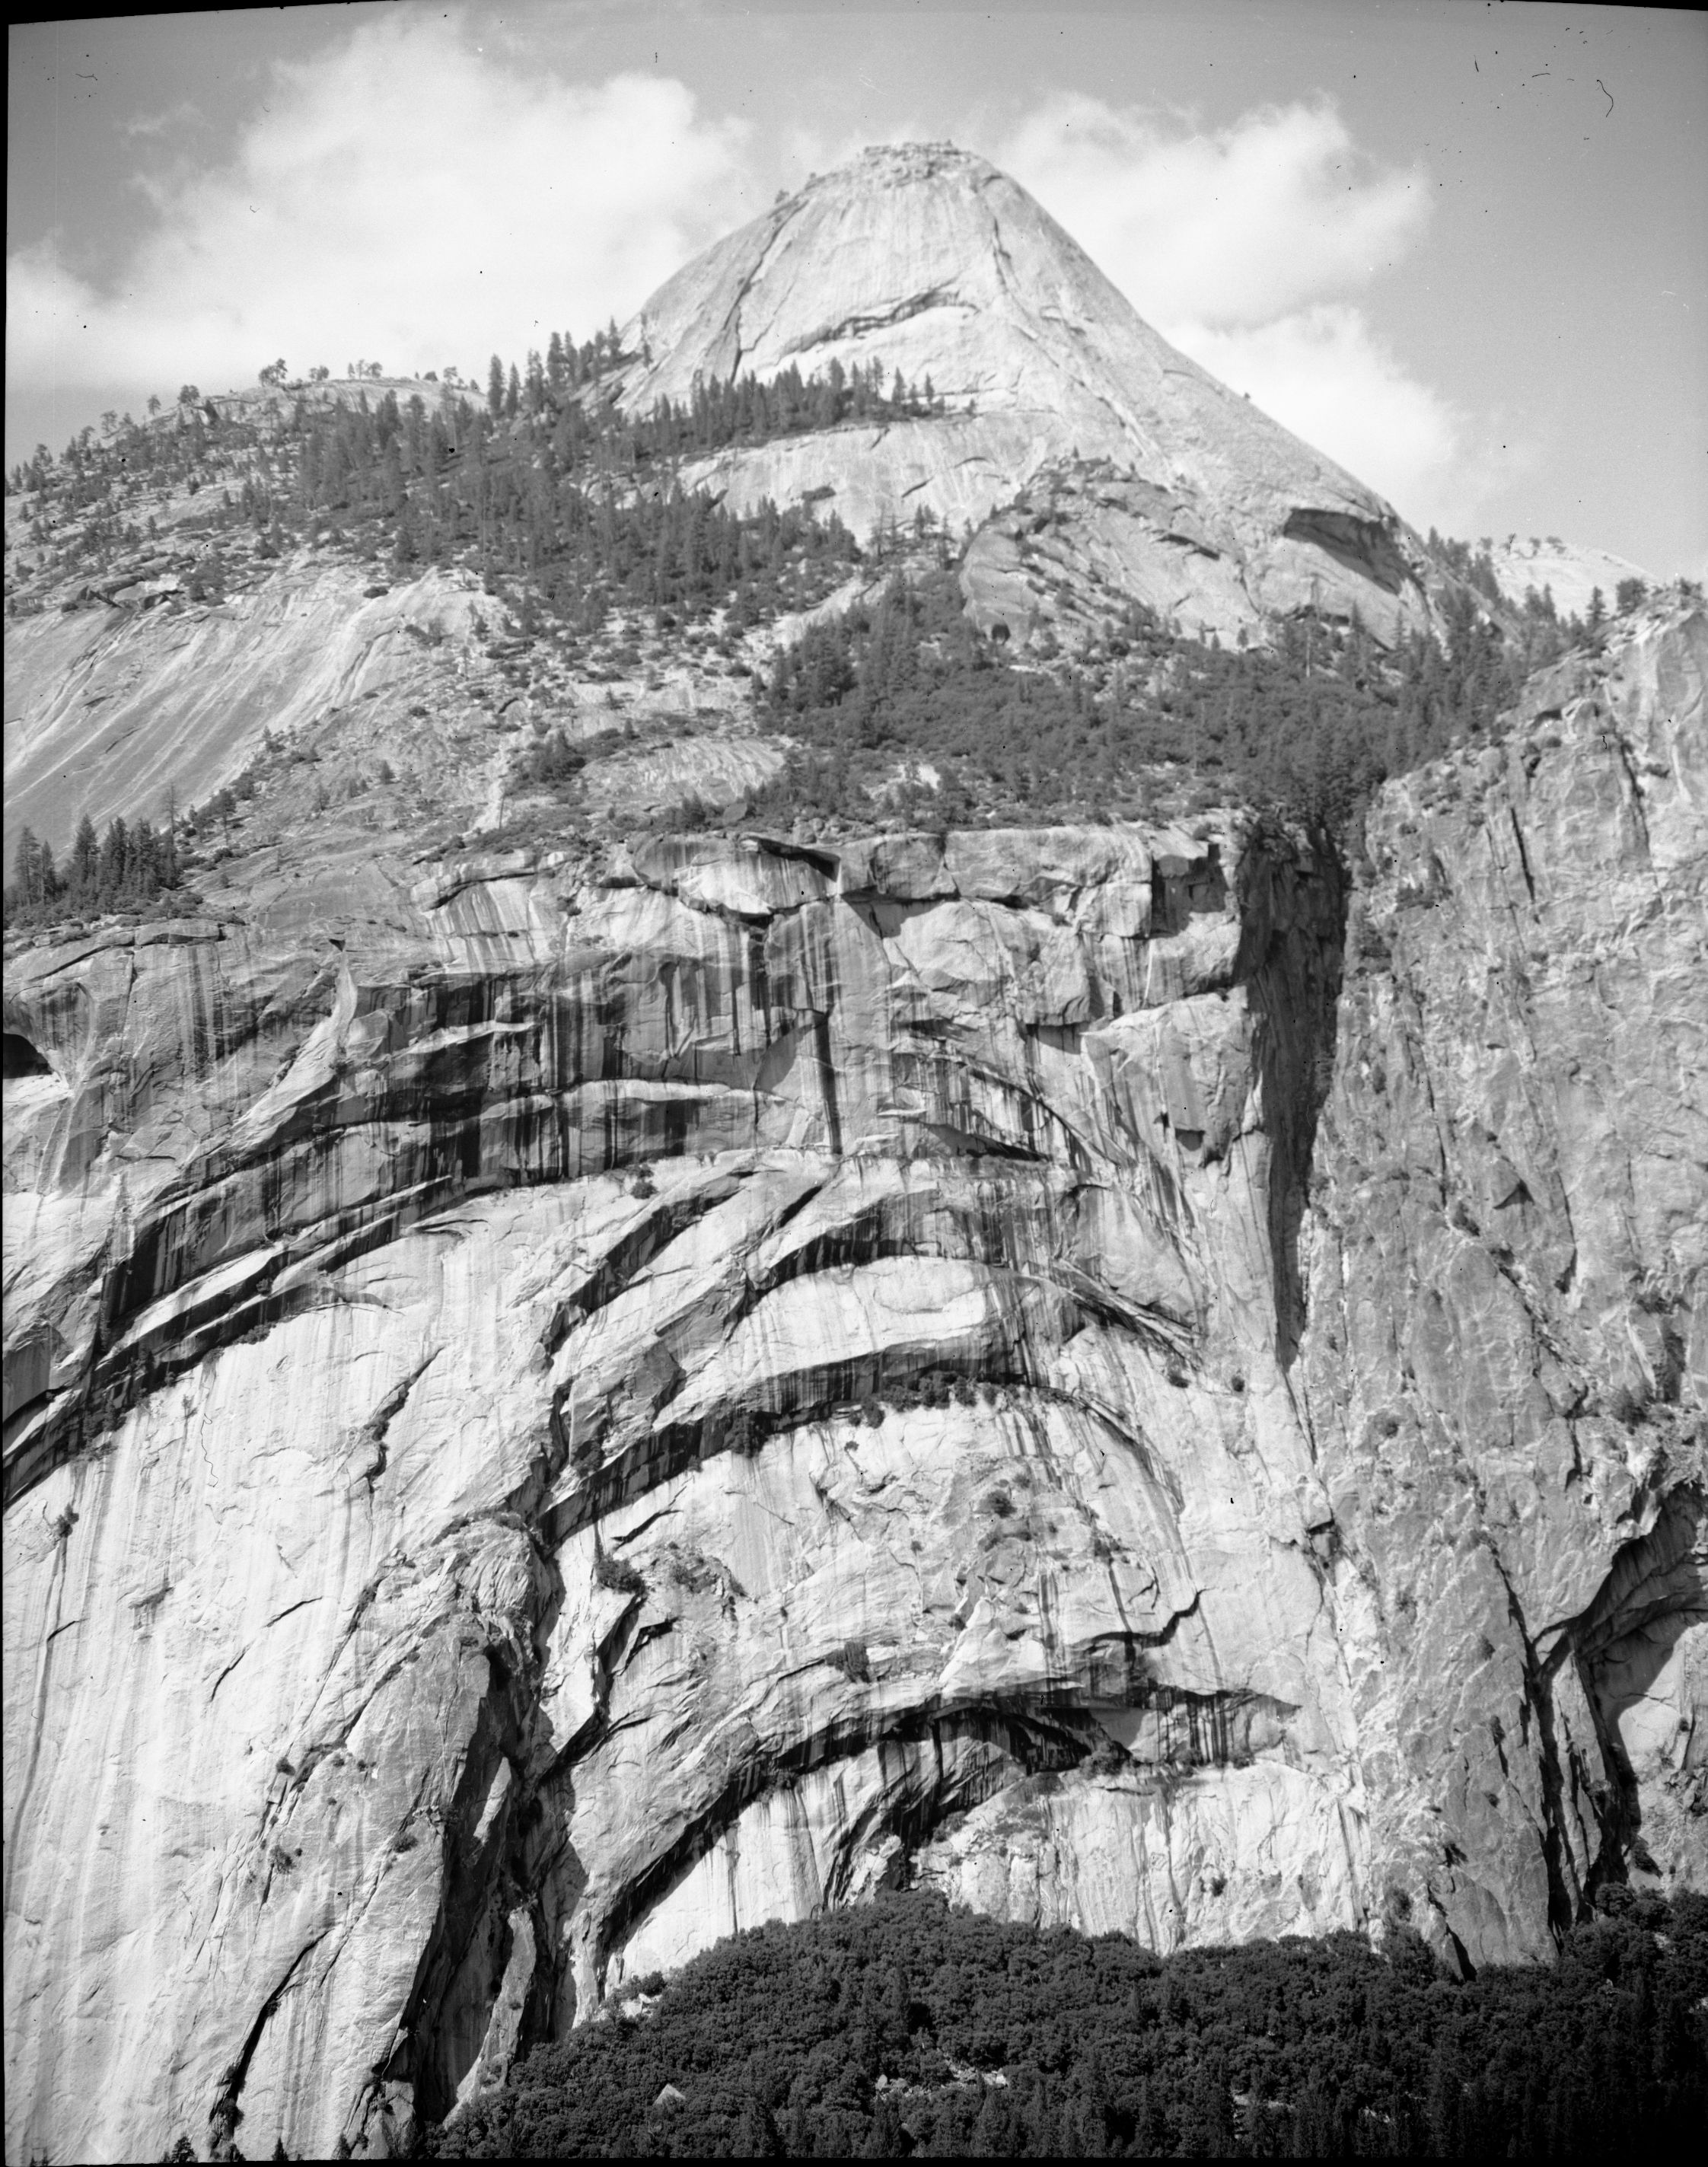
[(930, 261)]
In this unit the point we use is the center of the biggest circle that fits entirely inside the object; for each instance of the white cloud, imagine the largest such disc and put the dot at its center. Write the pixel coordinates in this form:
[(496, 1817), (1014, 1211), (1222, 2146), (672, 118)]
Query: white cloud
[(1241, 245), (1234, 226), (1322, 373), (405, 200)]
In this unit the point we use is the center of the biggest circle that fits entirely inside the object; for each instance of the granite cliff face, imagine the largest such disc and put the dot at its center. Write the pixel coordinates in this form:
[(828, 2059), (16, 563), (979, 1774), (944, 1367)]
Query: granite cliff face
[(640, 1408), (562, 1401), (677, 1388), (937, 265), (1507, 1364)]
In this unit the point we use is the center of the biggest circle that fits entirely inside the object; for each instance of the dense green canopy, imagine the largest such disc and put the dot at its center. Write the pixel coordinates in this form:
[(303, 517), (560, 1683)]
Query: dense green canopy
[(905, 2026)]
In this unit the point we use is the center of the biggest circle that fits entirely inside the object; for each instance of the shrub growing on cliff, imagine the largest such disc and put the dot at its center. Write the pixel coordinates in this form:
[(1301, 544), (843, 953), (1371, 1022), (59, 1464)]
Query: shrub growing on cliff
[(621, 1575), (905, 2026)]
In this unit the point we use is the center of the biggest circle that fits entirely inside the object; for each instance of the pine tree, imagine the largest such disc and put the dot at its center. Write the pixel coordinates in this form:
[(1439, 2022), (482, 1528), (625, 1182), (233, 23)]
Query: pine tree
[(35, 882), (1212, 2115), (494, 387), (84, 871), (26, 871), (115, 862), (884, 2139), (756, 2134), (142, 872)]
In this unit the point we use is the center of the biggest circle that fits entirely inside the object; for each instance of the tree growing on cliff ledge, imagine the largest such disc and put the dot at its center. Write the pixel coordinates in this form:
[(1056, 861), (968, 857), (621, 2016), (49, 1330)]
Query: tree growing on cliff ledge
[(132, 867), (34, 880)]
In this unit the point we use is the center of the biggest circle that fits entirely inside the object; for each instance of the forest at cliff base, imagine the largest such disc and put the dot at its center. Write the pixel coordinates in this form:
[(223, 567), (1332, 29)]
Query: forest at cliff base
[(907, 2028)]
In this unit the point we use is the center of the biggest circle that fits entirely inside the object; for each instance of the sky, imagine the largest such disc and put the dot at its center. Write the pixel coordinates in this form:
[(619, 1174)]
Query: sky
[(1461, 248)]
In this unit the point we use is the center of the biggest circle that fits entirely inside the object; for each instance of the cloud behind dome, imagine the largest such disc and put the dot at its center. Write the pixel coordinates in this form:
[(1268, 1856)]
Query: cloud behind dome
[(1245, 246)]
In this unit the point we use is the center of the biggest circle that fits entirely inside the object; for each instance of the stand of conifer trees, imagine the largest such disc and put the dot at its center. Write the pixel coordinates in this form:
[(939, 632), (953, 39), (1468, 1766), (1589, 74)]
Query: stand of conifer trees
[(130, 868), (1308, 725), (903, 2026)]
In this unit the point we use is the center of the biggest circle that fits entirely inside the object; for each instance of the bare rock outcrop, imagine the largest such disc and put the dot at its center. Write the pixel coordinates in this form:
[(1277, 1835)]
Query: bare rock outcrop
[(1570, 574), (1506, 1368), (1084, 539), (109, 708), (934, 263)]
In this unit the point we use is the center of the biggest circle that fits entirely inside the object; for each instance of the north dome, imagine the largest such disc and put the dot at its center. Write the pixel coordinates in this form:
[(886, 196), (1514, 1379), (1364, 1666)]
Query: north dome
[(932, 262)]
